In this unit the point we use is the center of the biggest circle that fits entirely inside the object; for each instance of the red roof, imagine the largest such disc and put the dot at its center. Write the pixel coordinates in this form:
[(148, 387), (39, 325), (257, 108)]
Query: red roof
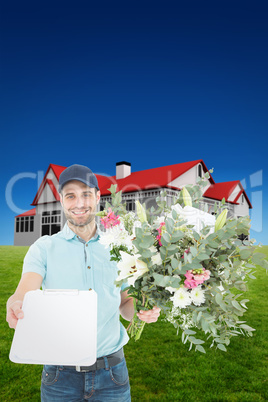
[(159, 177), (149, 179), (31, 212), (218, 191), (57, 171)]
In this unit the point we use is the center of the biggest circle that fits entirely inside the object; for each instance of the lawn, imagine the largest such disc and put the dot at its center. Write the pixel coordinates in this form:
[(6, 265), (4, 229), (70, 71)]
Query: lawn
[(160, 367)]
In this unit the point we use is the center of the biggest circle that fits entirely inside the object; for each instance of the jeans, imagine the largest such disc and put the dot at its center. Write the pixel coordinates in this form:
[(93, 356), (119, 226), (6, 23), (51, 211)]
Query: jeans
[(61, 383)]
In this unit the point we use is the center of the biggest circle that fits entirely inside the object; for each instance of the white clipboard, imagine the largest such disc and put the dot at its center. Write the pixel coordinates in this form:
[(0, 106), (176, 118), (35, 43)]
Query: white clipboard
[(59, 328)]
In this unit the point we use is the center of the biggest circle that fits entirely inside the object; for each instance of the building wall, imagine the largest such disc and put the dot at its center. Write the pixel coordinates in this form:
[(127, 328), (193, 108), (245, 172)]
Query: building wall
[(26, 238), (189, 177), (47, 195), (242, 209)]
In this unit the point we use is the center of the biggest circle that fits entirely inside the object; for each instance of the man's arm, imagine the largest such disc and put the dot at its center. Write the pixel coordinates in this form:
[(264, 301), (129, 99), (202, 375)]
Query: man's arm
[(29, 281), (127, 310), (126, 307)]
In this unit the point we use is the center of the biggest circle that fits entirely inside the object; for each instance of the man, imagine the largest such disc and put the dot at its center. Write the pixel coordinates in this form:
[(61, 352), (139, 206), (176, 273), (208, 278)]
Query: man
[(74, 259)]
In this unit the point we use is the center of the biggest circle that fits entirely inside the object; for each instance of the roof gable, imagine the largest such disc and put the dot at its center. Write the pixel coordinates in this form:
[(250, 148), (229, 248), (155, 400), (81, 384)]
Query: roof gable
[(48, 193), (225, 190), (56, 170)]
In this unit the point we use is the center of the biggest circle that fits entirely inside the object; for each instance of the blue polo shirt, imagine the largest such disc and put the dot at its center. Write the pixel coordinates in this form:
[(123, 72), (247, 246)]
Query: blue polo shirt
[(66, 261)]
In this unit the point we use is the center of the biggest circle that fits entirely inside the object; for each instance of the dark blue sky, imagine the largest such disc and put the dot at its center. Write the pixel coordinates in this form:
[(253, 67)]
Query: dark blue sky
[(150, 82)]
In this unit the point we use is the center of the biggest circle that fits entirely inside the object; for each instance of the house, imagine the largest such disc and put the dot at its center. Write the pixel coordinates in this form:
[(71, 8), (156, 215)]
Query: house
[(46, 216)]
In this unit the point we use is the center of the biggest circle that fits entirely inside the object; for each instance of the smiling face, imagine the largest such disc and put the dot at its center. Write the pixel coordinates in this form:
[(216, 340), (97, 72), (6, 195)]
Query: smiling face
[(79, 203)]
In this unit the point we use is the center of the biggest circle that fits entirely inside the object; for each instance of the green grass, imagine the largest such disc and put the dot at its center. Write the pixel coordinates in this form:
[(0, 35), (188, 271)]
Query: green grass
[(160, 367)]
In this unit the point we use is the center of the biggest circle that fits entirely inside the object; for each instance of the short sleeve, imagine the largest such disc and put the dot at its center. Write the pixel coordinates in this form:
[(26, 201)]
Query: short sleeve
[(124, 286), (36, 258)]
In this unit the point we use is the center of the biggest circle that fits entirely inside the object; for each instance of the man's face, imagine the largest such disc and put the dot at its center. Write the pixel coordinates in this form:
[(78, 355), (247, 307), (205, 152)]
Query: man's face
[(79, 203)]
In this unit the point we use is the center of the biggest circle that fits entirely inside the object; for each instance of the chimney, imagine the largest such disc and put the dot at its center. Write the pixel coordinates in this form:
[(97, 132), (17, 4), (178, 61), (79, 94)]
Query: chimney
[(123, 169)]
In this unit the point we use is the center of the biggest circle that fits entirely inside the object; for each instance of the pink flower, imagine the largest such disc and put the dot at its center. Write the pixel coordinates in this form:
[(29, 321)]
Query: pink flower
[(196, 277), (110, 220), (204, 276), (158, 237), (190, 283)]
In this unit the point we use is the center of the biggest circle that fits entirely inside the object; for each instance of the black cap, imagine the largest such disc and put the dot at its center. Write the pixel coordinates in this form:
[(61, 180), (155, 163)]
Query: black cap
[(80, 173)]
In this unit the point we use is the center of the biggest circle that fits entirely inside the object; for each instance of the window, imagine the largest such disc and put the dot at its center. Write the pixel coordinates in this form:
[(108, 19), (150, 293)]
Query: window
[(22, 224), (51, 222), (130, 205), (199, 170), (25, 224), (31, 223)]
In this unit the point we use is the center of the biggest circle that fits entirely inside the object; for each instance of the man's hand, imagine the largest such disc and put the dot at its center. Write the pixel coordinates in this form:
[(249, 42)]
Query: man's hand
[(149, 315), (14, 313), (29, 281)]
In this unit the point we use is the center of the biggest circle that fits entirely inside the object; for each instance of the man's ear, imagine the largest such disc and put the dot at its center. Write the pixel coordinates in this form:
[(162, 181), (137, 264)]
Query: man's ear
[(61, 200), (98, 196)]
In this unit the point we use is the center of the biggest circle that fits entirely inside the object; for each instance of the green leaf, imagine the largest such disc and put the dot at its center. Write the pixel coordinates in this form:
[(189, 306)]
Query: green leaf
[(200, 348), (177, 235), (166, 238), (174, 214), (164, 242), (204, 324), (247, 328), (147, 241), (237, 305), (174, 263), (199, 315), (175, 282), (189, 332), (172, 248), (112, 189), (169, 225), (138, 232), (195, 341), (193, 265), (203, 256), (221, 347), (219, 298), (193, 251), (245, 254), (213, 244), (146, 253), (161, 280), (163, 252)]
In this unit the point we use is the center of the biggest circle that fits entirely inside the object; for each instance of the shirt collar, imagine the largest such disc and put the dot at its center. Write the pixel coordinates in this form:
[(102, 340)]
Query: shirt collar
[(69, 234)]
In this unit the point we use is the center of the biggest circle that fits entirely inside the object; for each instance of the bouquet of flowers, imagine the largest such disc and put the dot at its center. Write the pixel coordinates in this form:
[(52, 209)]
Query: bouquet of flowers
[(188, 262)]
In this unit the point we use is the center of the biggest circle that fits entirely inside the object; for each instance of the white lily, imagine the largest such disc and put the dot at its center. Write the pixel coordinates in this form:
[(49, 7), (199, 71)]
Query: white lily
[(186, 197), (196, 217), (131, 267), (140, 212)]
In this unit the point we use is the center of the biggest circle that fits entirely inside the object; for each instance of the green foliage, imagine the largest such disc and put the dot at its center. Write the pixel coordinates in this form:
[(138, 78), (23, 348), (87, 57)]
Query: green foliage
[(229, 261)]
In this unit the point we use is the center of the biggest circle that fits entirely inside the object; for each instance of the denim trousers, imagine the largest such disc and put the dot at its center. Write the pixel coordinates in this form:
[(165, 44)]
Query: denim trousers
[(61, 383)]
